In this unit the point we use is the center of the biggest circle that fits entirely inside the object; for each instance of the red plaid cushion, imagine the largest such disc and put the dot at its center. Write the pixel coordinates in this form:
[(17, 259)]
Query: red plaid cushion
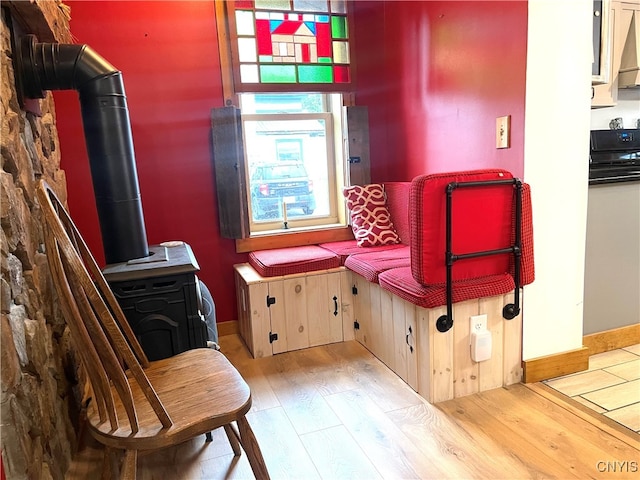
[(369, 265), (400, 282), (481, 221), (345, 248), (370, 219), (526, 261), (287, 261), (398, 205)]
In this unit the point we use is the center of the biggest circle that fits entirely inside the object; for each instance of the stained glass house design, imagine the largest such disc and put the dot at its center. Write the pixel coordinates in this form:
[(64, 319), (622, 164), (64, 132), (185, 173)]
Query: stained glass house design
[(292, 47)]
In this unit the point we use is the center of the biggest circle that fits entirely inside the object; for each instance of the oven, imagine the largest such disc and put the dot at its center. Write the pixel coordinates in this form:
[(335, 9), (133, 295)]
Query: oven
[(615, 156)]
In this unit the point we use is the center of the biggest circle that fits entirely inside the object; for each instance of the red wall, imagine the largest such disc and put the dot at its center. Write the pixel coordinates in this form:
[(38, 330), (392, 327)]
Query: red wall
[(434, 87), (435, 77), (168, 55)]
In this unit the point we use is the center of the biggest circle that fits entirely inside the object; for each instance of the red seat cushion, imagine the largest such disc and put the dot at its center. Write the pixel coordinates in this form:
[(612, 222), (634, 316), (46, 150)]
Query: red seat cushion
[(344, 248), (370, 265), (400, 282), (286, 261), (482, 220)]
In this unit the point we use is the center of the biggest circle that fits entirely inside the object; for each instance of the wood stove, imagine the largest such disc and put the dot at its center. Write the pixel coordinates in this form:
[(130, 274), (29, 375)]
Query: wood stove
[(161, 297)]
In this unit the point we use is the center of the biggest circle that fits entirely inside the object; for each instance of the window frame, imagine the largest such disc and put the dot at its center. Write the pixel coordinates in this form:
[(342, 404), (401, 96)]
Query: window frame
[(354, 142), (336, 164)]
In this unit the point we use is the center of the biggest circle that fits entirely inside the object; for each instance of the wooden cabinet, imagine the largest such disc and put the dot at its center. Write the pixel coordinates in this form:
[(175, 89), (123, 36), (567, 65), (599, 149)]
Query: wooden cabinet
[(386, 325), (629, 75), (437, 365), (280, 314), (619, 15), (600, 67)]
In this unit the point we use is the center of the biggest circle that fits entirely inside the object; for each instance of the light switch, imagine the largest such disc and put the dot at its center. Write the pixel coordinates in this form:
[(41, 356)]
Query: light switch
[(503, 132)]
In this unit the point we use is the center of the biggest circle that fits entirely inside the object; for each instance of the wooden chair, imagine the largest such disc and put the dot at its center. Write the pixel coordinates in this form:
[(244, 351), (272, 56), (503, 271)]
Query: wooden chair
[(138, 405)]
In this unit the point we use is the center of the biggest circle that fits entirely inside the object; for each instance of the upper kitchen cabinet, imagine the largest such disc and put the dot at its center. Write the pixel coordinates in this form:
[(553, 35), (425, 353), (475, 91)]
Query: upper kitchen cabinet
[(600, 68), (630, 61), (612, 24)]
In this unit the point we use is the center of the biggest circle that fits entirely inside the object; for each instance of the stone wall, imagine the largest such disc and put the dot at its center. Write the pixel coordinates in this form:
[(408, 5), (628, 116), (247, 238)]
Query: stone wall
[(40, 393)]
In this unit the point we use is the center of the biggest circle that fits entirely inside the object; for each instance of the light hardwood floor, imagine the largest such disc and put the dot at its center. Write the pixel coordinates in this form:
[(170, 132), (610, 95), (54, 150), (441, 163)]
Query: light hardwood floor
[(337, 412)]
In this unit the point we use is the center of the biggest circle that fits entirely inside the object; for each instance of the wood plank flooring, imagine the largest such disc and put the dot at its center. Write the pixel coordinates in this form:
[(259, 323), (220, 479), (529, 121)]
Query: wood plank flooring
[(335, 412)]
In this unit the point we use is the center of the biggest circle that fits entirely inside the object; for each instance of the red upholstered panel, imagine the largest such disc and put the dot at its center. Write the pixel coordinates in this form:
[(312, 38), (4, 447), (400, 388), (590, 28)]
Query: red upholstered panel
[(400, 282), (286, 261), (398, 206), (481, 221), (527, 271), (370, 265), (345, 248)]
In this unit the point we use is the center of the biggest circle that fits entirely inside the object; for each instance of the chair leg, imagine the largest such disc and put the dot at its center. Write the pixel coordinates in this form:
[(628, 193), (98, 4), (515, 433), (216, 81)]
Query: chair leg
[(234, 438), (129, 465), (107, 464), (111, 464), (251, 447), (209, 437)]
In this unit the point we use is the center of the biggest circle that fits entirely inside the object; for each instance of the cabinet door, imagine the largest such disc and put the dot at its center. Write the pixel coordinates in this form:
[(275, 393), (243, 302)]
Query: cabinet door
[(295, 328), (384, 328), (405, 355), (601, 66), (324, 311), (348, 332), (362, 311), (258, 325), (412, 345), (606, 94)]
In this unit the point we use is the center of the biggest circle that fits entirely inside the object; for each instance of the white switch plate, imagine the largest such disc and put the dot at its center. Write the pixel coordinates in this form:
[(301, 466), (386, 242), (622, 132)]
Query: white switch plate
[(503, 132), (477, 323)]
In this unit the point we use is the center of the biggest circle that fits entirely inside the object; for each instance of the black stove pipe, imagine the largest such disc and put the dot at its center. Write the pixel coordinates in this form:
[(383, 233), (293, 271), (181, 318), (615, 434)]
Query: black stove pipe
[(107, 130)]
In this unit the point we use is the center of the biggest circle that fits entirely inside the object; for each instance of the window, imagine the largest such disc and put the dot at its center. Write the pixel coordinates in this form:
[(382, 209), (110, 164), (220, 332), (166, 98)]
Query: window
[(293, 158), (287, 76)]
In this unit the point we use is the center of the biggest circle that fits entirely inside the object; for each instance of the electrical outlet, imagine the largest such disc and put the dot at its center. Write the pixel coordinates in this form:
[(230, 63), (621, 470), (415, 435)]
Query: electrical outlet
[(477, 323), (503, 131)]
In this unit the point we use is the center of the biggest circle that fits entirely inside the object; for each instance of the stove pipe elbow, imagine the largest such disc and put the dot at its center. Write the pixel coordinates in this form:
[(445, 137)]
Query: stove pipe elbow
[(107, 131)]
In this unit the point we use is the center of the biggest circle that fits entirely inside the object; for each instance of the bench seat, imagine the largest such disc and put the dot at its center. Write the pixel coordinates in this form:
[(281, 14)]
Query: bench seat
[(400, 282), (392, 298)]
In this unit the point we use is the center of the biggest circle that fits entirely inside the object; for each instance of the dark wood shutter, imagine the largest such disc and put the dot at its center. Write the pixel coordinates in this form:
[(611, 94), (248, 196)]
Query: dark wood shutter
[(229, 166), (358, 136)]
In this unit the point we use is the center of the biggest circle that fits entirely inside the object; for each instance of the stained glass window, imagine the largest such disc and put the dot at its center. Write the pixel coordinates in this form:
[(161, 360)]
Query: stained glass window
[(291, 42)]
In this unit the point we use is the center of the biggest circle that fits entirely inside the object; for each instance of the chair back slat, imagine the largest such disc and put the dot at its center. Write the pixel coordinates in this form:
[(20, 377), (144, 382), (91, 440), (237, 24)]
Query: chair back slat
[(109, 360), (100, 326), (89, 355), (112, 303)]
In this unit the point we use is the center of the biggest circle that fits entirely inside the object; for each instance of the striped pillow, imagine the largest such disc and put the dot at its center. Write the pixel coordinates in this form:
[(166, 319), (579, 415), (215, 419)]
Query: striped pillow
[(370, 218)]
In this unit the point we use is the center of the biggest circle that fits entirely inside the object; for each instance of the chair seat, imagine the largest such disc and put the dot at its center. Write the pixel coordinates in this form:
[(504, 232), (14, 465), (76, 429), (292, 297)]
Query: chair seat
[(201, 391)]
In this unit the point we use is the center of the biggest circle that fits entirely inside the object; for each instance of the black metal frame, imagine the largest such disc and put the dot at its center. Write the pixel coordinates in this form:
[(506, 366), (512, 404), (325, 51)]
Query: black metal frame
[(511, 310)]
